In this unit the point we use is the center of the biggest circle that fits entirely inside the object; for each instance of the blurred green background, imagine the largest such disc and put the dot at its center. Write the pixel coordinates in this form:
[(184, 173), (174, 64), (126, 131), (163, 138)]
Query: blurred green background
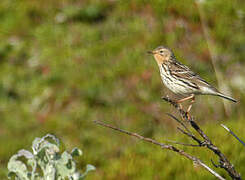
[(65, 63)]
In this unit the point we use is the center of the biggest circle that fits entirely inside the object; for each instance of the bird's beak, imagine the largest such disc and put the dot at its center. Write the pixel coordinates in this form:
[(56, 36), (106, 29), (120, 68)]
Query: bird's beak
[(150, 52)]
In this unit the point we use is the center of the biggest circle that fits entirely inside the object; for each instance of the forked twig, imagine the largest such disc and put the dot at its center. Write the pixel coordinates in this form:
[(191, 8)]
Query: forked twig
[(180, 122), (164, 146), (223, 161)]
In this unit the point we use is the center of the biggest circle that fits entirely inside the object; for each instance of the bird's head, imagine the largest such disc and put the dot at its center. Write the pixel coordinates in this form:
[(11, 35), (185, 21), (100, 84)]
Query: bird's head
[(162, 54)]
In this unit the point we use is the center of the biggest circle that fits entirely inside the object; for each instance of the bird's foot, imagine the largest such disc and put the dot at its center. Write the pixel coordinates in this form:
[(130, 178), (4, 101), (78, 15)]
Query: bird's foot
[(188, 115)]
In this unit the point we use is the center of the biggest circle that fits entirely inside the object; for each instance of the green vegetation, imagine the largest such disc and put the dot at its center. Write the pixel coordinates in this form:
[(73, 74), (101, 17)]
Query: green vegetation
[(65, 63), (46, 162)]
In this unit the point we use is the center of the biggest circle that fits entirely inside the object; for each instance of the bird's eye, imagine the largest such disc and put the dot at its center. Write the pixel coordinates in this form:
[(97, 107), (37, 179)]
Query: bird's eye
[(161, 51)]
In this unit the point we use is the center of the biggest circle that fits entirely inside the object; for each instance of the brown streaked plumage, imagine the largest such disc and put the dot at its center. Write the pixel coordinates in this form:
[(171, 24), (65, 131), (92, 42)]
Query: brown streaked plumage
[(180, 79)]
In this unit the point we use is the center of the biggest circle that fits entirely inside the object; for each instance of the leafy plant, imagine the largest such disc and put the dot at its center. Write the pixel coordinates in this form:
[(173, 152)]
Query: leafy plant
[(46, 162)]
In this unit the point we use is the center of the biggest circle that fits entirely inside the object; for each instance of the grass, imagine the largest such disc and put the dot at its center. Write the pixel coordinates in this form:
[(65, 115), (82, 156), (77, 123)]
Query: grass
[(66, 63)]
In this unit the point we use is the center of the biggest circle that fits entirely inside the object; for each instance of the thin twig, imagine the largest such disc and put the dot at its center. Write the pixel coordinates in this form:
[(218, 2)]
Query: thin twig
[(164, 146), (184, 144), (192, 136), (233, 134), (180, 122), (188, 133)]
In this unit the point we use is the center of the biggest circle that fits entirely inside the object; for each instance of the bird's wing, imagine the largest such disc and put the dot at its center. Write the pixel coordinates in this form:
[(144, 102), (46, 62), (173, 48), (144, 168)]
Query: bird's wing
[(180, 70)]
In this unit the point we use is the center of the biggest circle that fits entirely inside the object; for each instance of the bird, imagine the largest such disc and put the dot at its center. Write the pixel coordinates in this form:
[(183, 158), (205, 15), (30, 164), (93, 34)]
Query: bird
[(180, 79)]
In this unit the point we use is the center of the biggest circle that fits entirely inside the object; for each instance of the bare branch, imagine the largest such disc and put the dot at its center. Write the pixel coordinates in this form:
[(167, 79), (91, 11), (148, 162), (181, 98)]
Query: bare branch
[(215, 165), (184, 144), (189, 133), (233, 134), (164, 146), (223, 161)]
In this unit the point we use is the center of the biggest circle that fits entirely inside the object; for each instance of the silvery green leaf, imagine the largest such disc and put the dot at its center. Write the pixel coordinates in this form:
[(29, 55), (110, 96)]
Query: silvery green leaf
[(89, 167), (66, 165), (32, 162), (38, 143), (49, 172), (49, 147), (25, 153), (75, 176), (76, 152), (57, 141), (17, 167), (35, 145)]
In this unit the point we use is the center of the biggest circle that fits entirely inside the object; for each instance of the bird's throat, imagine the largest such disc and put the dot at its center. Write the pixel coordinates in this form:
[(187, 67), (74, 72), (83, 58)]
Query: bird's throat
[(160, 59)]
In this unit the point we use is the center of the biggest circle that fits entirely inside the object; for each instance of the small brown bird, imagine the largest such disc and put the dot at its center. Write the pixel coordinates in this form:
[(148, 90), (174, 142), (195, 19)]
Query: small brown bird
[(180, 79)]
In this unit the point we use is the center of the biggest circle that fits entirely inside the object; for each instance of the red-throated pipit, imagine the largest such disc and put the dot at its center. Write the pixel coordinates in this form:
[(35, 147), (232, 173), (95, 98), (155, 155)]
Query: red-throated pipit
[(180, 79)]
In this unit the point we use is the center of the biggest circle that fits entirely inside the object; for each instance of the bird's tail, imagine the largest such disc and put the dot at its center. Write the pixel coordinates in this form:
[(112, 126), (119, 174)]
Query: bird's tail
[(226, 97)]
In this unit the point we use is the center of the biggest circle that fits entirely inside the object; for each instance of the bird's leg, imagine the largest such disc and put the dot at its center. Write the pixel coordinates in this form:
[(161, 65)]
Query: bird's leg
[(182, 100), (180, 106), (186, 98), (192, 97), (190, 106)]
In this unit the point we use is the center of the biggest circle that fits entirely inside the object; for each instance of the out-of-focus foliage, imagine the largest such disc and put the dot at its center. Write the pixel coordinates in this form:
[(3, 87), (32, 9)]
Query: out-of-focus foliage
[(46, 162), (64, 63)]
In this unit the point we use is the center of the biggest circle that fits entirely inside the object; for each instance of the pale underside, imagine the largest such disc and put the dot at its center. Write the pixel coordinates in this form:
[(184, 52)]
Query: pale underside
[(182, 81)]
